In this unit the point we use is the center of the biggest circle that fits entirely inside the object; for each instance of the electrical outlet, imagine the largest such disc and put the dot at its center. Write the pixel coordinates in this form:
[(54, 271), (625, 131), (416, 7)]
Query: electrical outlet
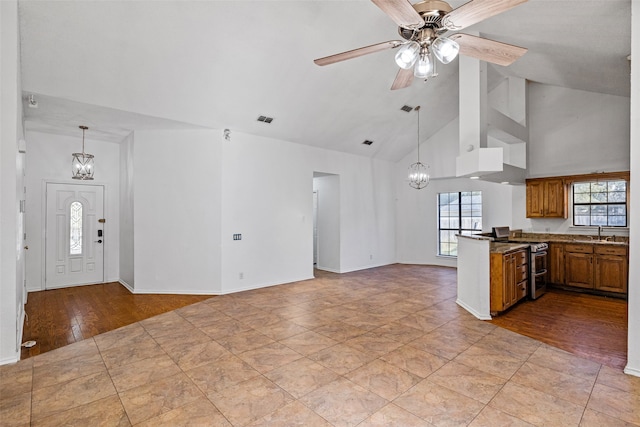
[(241, 275), (237, 236)]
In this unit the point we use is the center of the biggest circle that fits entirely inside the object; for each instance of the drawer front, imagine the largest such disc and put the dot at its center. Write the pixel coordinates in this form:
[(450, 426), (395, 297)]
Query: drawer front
[(581, 249), (521, 290), (611, 250), (521, 273), (521, 257)]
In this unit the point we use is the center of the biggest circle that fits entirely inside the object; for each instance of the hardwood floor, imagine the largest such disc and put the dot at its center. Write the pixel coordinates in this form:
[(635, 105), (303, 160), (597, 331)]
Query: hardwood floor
[(58, 317), (589, 326)]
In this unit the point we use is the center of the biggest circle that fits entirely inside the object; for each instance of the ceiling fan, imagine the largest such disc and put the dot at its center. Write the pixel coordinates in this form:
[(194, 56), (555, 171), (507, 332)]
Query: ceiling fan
[(423, 25)]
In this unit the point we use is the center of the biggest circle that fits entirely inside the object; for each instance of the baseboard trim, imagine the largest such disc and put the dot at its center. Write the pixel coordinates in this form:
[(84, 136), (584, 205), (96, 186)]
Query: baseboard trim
[(126, 285), (9, 360), (172, 292), (351, 270), (632, 371), (473, 311), (263, 285)]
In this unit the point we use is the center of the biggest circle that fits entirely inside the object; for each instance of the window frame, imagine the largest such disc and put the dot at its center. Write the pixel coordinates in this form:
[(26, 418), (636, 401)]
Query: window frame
[(459, 229), (595, 180)]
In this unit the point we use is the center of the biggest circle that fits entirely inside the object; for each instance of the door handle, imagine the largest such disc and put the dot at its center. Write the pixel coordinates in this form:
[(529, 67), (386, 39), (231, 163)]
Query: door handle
[(97, 241), (26, 247)]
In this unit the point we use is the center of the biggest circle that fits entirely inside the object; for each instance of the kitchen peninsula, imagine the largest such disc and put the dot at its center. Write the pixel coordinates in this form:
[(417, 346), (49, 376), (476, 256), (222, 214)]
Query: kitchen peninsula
[(492, 275)]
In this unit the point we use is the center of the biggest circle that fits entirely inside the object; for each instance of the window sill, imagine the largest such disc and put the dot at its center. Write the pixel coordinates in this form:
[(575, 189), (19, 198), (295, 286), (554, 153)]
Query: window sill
[(581, 229)]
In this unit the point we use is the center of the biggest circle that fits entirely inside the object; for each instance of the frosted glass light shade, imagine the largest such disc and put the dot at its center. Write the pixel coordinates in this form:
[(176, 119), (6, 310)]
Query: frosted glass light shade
[(407, 55), (445, 49), (82, 166), (424, 67)]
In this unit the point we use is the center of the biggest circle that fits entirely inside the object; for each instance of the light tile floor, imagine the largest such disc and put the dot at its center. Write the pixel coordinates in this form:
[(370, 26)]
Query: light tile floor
[(382, 347)]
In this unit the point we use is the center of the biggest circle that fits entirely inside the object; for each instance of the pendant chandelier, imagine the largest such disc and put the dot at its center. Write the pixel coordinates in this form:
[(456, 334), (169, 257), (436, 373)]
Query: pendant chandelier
[(82, 163), (418, 172)]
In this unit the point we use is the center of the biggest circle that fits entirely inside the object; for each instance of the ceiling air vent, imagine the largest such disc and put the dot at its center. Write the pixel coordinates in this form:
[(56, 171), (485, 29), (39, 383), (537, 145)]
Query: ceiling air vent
[(367, 142), (406, 108), (265, 119)]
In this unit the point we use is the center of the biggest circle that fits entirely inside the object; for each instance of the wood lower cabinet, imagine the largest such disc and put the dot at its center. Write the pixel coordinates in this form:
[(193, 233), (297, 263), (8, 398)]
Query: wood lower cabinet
[(578, 268), (598, 267), (509, 273), (556, 263), (546, 198), (611, 270)]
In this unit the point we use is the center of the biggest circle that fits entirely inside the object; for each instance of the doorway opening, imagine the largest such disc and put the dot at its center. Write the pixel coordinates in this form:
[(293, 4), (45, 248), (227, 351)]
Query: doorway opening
[(326, 222)]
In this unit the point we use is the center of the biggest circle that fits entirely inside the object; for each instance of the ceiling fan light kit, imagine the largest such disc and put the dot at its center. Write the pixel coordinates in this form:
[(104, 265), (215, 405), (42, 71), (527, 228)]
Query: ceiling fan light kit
[(423, 25), (445, 49), (424, 66), (406, 56)]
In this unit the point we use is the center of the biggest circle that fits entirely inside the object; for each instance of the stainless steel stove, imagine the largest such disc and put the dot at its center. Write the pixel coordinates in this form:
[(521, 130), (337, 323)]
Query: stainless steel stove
[(538, 259)]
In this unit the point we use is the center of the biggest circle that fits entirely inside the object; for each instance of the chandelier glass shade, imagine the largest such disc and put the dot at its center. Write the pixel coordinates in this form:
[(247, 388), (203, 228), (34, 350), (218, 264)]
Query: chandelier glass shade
[(82, 166), (418, 171)]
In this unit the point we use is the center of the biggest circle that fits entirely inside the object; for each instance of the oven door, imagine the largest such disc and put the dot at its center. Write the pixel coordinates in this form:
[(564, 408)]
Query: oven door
[(538, 285), (538, 262), (538, 278)]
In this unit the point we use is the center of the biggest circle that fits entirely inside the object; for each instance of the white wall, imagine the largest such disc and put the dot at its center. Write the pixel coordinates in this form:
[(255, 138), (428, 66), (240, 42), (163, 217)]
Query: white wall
[(439, 152), (367, 211), (192, 191), (417, 212), (575, 132), (572, 132), (11, 131), (328, 222), (126, 253), (49, 159), (177, 199), (268, 198), (633, 339)]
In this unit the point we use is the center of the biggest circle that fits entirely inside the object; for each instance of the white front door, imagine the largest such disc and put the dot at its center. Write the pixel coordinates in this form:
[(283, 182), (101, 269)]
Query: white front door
[(74, 236)]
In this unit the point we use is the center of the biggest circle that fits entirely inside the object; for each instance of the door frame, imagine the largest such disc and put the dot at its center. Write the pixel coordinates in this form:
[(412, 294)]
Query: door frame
[(43, 231)]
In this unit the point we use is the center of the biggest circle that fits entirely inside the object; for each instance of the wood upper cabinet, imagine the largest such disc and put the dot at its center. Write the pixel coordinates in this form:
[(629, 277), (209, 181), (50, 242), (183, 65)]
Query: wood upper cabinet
[(546, 198), (556, 263), (509, 274), (535, 199)]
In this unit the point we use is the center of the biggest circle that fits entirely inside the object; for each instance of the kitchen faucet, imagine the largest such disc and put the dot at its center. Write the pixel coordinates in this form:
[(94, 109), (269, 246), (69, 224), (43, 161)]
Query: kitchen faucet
[(599, 232)]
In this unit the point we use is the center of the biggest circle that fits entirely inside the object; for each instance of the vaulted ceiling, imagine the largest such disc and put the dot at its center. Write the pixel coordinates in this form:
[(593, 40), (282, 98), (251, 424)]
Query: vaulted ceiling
[(118, 66)]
